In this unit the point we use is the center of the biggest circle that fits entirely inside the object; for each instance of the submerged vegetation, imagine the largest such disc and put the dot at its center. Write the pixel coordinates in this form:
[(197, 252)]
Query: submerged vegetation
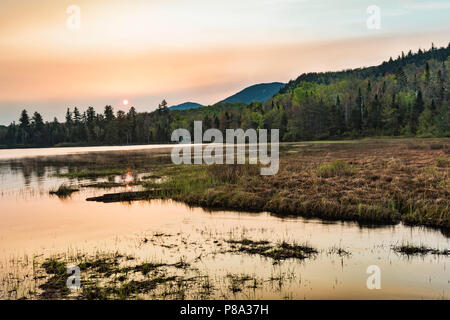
[(113, 275), (277, 252), (411, 249), (108, 275)]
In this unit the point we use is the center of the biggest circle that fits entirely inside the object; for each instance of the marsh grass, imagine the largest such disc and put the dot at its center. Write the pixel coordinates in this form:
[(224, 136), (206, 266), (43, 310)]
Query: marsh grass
[(63, 191), (100, 275), (147, 267), (111, 275), (372, 182), (340, 251), (55, 286), (238, 282), (335, 168), (233, 173), (443, 162), (281, 251), (194, 179), (288, 251), (410, 249)]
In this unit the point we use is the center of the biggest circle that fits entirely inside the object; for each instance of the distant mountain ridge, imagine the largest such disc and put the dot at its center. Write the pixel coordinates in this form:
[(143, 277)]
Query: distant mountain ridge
[(255, 93), (186, 106)]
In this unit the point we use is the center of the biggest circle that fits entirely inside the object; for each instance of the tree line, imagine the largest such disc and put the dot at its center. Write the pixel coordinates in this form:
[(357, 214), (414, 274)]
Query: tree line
[(406, 96)]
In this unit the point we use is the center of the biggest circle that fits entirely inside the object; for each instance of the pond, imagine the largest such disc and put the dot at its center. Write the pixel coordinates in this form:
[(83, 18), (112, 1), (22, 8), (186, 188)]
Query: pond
[(220, 251)]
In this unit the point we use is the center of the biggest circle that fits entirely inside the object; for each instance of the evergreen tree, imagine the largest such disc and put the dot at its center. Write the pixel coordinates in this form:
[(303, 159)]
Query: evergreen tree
[(76, 116), (38, 130), (109, 114), (131, 116), (69, 120), (24, 125)]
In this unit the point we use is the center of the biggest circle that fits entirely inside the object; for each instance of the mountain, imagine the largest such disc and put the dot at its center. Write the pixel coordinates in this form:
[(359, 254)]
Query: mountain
[(186, 106), (387, 67), (258, 92)]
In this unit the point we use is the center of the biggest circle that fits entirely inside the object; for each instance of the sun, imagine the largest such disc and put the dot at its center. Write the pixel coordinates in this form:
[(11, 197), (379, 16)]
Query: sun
[(125, 102)]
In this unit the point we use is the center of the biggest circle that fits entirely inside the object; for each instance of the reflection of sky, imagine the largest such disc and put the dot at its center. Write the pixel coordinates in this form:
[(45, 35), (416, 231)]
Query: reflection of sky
[(191, 50)]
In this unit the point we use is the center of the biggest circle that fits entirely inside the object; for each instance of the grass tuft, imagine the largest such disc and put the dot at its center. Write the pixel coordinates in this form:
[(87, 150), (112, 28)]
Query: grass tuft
[(335, 168), (64, 191), (443, 162)]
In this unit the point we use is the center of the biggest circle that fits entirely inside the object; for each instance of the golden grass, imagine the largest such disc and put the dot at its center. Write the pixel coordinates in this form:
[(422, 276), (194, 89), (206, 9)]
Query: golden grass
[(373, 181)]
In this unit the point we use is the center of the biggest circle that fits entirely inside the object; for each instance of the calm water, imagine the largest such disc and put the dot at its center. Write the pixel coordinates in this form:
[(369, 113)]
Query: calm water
[(36, 152), (35, 223)]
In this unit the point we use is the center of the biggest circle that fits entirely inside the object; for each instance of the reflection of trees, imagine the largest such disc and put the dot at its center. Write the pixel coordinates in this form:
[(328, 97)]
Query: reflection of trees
[(27, 168), (446, 232), (27, 173), (40, 172), (40, 167)]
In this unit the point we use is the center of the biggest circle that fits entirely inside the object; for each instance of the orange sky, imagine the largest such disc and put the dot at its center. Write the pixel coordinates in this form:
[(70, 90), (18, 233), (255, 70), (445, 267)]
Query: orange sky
[(194, 50)]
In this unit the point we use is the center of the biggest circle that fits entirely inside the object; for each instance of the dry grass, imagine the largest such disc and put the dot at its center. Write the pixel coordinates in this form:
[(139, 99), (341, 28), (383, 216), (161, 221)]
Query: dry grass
[(375, 181), (335, 168)]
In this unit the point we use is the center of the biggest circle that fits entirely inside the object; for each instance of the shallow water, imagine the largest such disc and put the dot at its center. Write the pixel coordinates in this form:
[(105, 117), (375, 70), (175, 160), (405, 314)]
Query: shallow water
[(37, 152), (35, 223)]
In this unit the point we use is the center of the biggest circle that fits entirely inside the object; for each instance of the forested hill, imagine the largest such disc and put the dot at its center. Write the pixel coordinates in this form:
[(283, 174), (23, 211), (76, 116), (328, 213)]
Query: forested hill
[(391, 66), (256, 93), (407, 96), (186, 106)]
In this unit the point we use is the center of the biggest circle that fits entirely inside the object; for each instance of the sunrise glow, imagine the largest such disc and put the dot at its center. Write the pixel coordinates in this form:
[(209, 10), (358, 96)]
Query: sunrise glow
[(201, 51)]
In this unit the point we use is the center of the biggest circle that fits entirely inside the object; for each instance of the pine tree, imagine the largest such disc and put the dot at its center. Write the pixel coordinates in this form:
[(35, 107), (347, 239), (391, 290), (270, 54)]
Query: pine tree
[(24, 125), (24, 121), (109, 113), (37, 128), (69, 120), (76, 116)]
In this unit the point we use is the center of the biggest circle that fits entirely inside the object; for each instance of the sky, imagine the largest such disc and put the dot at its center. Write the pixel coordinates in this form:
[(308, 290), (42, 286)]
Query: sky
[(198, 50)]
